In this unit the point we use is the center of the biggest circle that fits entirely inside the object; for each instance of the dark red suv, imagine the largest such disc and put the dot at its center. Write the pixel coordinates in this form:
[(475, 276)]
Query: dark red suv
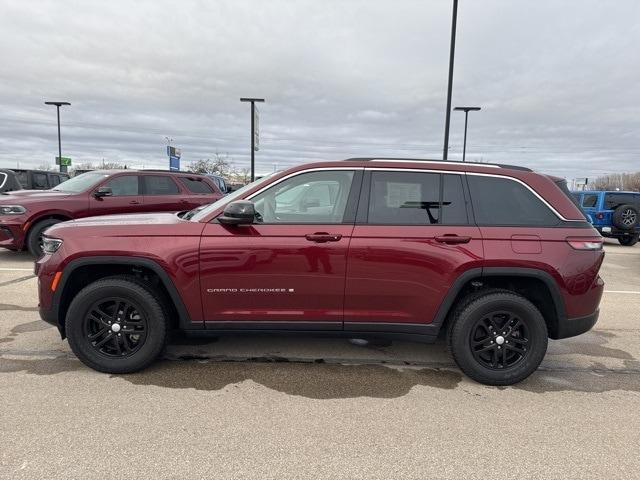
[(26, 214), (497, 256)]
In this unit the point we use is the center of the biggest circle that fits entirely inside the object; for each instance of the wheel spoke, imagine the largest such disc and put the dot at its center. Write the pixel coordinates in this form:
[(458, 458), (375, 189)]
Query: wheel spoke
[(98, 334), (125, 344), (116, 341), (517, 349), (486, 348), (105, 339)]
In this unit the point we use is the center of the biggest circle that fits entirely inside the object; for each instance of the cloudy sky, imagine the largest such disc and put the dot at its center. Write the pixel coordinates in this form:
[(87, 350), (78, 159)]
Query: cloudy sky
[(558, 82)]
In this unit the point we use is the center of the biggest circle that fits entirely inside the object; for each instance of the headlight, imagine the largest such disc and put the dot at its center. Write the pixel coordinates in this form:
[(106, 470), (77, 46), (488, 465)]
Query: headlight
[(51, 245), (12, 210)]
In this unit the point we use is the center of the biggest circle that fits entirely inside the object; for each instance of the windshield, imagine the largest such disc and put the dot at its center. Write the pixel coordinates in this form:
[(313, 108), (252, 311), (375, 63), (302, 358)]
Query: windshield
[(197, 215), (80, 183)]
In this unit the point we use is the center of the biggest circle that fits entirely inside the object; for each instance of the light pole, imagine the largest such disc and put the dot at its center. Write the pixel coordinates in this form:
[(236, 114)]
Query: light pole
[(466, 111), (452, 50), (63, 168), (253, 138)]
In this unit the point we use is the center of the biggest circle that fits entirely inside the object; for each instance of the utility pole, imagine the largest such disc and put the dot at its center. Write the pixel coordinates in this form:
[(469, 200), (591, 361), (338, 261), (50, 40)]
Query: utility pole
[(466, 111), (254, 147), (63, 168), (452, 50)]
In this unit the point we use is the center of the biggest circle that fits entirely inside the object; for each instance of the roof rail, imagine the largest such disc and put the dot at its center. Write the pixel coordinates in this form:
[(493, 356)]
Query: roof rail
[(169, 171), (396, 159)]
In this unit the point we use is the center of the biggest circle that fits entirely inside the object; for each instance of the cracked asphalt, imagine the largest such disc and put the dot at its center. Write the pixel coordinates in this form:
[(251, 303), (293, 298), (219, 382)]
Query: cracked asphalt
[(301, 407)]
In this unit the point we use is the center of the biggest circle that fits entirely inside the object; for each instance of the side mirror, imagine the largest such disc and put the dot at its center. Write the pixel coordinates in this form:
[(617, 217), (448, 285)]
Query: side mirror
[(240, 212), (103, 192)]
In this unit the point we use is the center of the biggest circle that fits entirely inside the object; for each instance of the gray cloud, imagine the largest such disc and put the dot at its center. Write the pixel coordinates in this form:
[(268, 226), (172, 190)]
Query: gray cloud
[(556, 81)]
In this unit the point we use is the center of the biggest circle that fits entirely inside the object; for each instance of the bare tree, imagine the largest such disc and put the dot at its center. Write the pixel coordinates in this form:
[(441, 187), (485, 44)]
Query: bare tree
[(615, 181), (220, 164)]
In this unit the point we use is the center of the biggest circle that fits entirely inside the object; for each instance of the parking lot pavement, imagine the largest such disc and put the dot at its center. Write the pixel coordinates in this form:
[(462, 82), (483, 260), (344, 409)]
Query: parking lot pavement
[(264, 407)]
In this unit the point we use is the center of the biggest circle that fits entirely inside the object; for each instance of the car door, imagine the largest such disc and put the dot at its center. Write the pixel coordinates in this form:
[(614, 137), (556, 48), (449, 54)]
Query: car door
[(413, 237), (287, 269), (160, 193), (125, 196)]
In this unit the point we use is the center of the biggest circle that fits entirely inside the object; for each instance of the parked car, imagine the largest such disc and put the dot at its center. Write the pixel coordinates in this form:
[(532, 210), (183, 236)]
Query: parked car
[(39, 179), (220, 182), (8, 181), (26, 214), (614, 214), (497, 256)]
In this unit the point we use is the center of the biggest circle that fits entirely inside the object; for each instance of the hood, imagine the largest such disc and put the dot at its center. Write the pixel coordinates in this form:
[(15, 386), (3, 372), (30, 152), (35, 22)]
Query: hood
[(19, 195), (127, 219)]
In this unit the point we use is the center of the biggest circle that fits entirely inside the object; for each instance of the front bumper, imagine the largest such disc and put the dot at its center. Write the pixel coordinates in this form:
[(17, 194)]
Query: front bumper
[(11, 236), (571, 327)]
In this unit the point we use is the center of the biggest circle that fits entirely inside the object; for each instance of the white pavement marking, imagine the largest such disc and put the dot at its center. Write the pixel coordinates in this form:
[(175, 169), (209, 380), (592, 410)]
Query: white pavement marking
[(623, 291), (16, 269)]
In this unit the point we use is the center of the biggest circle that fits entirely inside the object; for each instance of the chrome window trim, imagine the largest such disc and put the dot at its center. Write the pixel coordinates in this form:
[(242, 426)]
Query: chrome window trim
[(6, 177), (294, 174)]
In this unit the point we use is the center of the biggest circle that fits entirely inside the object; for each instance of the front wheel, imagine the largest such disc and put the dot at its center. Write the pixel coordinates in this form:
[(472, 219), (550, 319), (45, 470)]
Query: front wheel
[(115, 325), (34, 238), (498, 338), (629, 240)]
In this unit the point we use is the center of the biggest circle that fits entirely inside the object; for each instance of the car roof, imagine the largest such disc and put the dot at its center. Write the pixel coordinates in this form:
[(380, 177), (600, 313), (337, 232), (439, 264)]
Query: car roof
[(606, 191)]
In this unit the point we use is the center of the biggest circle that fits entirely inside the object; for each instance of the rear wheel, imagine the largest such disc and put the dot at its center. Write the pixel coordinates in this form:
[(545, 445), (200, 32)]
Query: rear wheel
[(34, 238), (498, 338), (629, 240), (625, 217), (116, 325)]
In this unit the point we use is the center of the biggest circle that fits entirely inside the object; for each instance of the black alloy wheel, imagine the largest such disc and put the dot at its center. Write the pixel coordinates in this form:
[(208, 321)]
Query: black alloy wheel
[(499, 340), (115, 327), (117, 324)]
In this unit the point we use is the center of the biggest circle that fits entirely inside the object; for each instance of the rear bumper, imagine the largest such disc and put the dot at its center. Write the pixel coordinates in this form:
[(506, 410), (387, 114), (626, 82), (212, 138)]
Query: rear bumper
[(615, 232), (576, 326)]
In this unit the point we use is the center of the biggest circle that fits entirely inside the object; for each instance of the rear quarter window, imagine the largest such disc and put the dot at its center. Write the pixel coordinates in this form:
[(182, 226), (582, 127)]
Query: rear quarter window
[(614, 200), (502, 201)]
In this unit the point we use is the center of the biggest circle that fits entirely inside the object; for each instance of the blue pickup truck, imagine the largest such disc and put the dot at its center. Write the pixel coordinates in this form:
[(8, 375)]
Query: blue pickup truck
[(613, 214)]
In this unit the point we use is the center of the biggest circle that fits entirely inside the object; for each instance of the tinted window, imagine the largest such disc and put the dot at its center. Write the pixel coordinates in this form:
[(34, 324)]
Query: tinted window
[(196, 185), (614, 200), (410, 198), (40, 181), (54, 180), (314, 197), (500, 201), (454, 208), (159, 185), (23, 178), (123, 185), (589, 200)]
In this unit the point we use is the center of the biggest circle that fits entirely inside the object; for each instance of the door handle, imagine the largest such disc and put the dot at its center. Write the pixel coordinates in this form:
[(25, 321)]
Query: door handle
[(322, 237), (134, 202), (452, 239)]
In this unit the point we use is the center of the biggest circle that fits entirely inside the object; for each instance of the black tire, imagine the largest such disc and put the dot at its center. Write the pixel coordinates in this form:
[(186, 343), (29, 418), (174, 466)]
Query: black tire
[(629, 240), (34, 237), (519, 325), (625, 217), (119, 300)]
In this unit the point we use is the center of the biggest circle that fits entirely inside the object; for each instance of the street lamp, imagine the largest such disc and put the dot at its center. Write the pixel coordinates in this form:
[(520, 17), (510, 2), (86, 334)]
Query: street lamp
[(63, 168), (466, 111), (253, 127), (452, 50)]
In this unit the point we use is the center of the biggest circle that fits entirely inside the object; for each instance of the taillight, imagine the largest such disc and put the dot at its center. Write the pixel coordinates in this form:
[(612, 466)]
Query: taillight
[(600, 216), (585, 243)]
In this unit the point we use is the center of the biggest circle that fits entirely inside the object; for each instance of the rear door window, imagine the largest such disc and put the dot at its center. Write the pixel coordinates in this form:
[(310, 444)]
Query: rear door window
[(502, 201), (159, 185), (54, 180), (196, 185), (413, 198), (589, 200)]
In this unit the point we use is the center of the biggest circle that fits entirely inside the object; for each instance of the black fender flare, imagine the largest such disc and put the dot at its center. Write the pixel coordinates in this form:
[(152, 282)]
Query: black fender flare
[(184, 320)]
